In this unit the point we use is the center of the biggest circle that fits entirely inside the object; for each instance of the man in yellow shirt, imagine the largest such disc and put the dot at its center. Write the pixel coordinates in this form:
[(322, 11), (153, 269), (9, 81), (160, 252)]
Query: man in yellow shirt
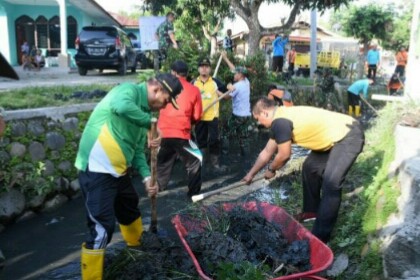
[(335, 141), (207, 129)]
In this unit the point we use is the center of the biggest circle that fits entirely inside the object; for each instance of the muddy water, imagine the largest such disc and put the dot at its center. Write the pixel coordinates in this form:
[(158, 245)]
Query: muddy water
[(48, 245)]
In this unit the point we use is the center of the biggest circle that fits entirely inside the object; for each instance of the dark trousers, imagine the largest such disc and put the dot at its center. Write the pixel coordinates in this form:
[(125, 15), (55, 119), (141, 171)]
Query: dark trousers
[(400, 70), (278, 63), (372, 71), (291, 68), (353, 100), (238, 128), (107, 198), (324, 172), (207, 135), (170, 148)]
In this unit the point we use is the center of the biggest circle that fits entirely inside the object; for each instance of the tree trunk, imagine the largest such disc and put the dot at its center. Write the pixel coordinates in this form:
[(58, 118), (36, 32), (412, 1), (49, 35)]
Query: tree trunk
[(213, 46), (362, 60), (253, 42)]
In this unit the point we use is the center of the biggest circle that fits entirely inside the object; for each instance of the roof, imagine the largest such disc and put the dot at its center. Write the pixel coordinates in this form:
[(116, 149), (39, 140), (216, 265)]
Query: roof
[(125, 21)]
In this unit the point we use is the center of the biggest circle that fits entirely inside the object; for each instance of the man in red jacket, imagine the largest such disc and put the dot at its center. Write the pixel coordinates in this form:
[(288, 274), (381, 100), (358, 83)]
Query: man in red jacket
[(175, 128)]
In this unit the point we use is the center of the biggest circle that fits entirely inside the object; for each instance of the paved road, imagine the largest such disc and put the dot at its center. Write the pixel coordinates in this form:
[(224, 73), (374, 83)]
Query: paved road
[(56, 76)]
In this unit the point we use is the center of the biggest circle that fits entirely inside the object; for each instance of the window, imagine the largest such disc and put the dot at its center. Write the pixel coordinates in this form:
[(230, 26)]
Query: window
[(71, 32), (41, 30), (54, 32)]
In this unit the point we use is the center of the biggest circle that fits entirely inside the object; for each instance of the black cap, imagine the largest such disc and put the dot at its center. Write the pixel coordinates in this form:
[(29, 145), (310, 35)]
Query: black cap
[(204, 61), (172, 85), (180, 67)]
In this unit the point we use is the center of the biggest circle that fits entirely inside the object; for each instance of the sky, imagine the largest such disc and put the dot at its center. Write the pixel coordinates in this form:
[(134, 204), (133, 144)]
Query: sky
[(116, 6)]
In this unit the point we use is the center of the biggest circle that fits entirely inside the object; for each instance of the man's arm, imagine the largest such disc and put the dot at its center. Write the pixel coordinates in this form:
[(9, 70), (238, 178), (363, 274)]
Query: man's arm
[(172, 36), (365, 90), (263, 158), (198, 107), (171, 33), (228, 62), (139, 160)]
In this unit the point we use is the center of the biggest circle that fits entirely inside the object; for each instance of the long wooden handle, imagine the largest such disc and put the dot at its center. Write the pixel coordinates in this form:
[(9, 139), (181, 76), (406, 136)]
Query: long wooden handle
[(215, 101), (153, 169), (217, 66), (202, 196), (370, 106)]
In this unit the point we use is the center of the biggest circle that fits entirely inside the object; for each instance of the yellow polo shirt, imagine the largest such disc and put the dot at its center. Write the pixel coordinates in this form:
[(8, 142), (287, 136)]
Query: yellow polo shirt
[(208, 91), (312, 128)]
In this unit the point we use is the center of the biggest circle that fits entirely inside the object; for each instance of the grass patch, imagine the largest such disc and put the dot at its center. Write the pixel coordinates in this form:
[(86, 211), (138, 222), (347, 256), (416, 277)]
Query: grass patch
[(37, 97)]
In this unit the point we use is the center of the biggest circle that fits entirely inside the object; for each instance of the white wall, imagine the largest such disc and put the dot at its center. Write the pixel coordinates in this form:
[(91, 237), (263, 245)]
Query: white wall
[(4, 34)]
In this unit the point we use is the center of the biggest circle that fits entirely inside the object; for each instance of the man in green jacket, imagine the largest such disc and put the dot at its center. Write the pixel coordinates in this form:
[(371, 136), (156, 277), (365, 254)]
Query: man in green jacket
[(113, 141)]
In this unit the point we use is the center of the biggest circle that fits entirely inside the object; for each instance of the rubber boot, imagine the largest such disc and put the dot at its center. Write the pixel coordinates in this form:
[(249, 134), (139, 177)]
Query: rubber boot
[(357, 111), (92, 263), (132, 233), (350, 110)]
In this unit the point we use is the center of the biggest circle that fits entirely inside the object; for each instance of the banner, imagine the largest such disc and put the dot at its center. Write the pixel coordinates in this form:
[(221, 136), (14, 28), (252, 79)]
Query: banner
[(148, 27)]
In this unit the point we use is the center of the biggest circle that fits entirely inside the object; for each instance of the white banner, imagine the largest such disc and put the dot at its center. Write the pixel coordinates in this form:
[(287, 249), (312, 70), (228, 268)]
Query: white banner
[(148, 27)]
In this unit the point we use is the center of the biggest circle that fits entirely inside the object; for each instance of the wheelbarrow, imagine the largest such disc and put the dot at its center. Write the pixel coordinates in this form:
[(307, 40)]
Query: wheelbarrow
[(321, 255)]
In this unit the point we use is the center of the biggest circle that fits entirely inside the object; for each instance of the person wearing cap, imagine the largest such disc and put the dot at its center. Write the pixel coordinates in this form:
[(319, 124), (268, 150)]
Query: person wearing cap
[(335, 141), (207, 129), (113, 142), (240, 93), (280, 95), (175, 127)]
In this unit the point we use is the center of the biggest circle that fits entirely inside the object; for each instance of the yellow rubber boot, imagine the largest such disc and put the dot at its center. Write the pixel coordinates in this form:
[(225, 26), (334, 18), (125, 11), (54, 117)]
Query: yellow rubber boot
[(357, 111), (132, 232), (350, 110), (92, 262)]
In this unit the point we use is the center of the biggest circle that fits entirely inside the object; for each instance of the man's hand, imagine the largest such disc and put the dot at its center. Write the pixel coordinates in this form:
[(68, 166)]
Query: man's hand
[(151, 190), (248, 179), (230, 87), (223, 53), (175, 45), (153, 143), (269, 174)]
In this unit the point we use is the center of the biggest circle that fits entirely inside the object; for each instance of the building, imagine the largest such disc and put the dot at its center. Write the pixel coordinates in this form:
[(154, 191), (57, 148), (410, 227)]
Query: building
[(50, 25), (299, 38)]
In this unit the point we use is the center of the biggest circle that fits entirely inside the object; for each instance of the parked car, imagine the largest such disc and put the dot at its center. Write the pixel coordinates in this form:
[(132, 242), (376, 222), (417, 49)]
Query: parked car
[(142, 61), (104, 47)]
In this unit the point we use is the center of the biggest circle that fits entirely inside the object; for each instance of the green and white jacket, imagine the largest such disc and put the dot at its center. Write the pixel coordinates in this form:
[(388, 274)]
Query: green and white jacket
[(115, 135)]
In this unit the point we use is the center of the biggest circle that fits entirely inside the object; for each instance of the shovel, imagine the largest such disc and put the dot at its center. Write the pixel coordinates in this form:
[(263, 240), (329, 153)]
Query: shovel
[(202, 196), (153, 175)]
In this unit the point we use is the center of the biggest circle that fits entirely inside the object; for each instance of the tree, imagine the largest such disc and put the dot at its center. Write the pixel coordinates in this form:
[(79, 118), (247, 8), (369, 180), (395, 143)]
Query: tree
[(400, 35), (208, 15), (248, 11), (367, 23)]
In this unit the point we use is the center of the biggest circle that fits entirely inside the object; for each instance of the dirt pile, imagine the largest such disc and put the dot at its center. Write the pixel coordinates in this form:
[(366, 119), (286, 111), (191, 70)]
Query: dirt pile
[(158, 258)]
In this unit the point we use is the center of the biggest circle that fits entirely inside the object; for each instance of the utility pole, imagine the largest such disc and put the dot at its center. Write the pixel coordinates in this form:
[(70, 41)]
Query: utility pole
[(313, 43)]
